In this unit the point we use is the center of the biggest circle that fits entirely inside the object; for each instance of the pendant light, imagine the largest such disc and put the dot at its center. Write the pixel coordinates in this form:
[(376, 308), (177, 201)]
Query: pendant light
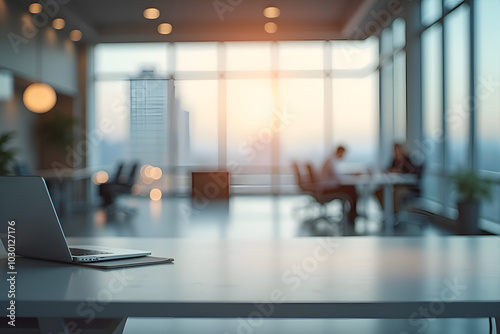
[(39, 97)]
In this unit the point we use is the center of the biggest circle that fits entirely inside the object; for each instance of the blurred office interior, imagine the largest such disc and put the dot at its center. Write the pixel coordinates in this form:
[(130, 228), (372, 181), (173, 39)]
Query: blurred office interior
[(225, 88), (184, 119)]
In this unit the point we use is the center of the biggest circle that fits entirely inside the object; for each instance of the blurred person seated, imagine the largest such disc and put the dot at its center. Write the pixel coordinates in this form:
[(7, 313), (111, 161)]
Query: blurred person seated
[(331, 178), (401, 164)]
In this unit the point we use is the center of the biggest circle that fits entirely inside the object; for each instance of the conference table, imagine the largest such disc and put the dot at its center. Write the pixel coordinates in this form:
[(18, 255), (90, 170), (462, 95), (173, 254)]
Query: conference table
[(369, 182), (351, 277)]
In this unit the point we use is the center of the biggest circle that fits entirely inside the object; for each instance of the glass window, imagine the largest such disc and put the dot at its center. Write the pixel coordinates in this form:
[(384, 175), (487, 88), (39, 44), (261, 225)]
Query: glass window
[(131, 59), (488, 95), (488, 98), (457, 87), (301, 55), (400, 97), (248, 56), (301, 134), (250, 120), (432, 109), (355, 117), (432, 94), (450, 4), (431, 11), (196, 56), (112, 121), (198, 102), (268, 122), (457, 97), (386, 114), (355, 54), (399, 33), (386, 42), (490, 209)]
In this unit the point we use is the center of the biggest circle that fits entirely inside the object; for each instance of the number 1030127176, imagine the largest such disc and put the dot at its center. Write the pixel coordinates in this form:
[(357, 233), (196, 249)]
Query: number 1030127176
[(11, 245)]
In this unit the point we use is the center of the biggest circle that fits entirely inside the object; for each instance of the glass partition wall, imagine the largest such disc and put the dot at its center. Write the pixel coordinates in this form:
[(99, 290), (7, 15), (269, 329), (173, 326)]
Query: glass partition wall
[(460, 100), (248, 107)]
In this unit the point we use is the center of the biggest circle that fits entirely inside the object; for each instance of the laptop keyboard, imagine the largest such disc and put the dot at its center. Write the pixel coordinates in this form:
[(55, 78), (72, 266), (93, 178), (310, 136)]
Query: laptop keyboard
[(83, 252)]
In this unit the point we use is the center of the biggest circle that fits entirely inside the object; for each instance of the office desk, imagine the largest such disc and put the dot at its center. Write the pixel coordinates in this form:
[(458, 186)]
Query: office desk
[(351, 277), (387, 181)]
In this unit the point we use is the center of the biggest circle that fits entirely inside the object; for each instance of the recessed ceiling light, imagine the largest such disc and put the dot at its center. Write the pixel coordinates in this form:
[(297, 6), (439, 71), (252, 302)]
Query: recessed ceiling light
[(271, 27), (35, 8), (75, 35), (272, 12), (164, 28), (58, 23), (151, 13)]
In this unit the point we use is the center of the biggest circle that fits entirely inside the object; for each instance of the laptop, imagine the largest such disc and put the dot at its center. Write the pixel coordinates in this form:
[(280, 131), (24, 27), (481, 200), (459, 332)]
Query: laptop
[(27, 212)]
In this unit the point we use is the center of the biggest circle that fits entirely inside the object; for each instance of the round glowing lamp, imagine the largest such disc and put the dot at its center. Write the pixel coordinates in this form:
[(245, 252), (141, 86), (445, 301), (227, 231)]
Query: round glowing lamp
[(271, 27), (164, 28), (75, 35), (272, 12), (35, 8), (151, 13), (39, 98), (58, 23)]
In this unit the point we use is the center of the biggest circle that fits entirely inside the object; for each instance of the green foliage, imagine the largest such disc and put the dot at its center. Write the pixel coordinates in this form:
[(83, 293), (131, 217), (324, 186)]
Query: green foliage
[(470, 186), (57, 130), (7, 154)]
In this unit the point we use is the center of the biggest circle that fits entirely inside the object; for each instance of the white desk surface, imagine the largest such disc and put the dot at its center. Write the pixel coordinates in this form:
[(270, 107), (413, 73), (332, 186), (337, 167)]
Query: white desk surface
[(351, 277), (379, 179)]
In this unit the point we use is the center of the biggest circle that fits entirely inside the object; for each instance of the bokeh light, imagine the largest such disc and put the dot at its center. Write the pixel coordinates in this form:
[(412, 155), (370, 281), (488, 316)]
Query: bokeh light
[(35, 8), (100, 177), (151, 13), (75, 35), (164, 28), (58, 23), (272, 12), (155, 194), (156, 173), (271, 27)]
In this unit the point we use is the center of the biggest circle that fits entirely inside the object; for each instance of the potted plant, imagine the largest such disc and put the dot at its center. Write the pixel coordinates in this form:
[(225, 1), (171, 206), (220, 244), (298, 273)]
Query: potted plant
[(471, 190), (55, 131), (7, 154)]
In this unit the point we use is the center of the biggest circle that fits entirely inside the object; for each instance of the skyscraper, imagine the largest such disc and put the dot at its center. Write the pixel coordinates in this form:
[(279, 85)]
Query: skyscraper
[(149, 119)]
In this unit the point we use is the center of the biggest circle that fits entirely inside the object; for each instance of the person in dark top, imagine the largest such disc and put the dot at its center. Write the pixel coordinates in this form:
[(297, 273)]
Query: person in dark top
[(402, 164)]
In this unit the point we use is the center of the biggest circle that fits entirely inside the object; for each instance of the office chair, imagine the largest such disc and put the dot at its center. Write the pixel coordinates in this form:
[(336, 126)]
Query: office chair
[(407, 213), (120, 185), (305, 187), (322, 193)]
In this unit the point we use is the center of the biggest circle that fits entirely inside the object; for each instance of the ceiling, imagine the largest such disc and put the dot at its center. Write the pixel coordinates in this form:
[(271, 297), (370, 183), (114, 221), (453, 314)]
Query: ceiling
[(214, 20)]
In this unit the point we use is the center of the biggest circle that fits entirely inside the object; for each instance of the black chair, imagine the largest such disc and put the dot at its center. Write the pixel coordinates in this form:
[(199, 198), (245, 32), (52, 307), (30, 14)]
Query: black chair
[(121, 184)]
